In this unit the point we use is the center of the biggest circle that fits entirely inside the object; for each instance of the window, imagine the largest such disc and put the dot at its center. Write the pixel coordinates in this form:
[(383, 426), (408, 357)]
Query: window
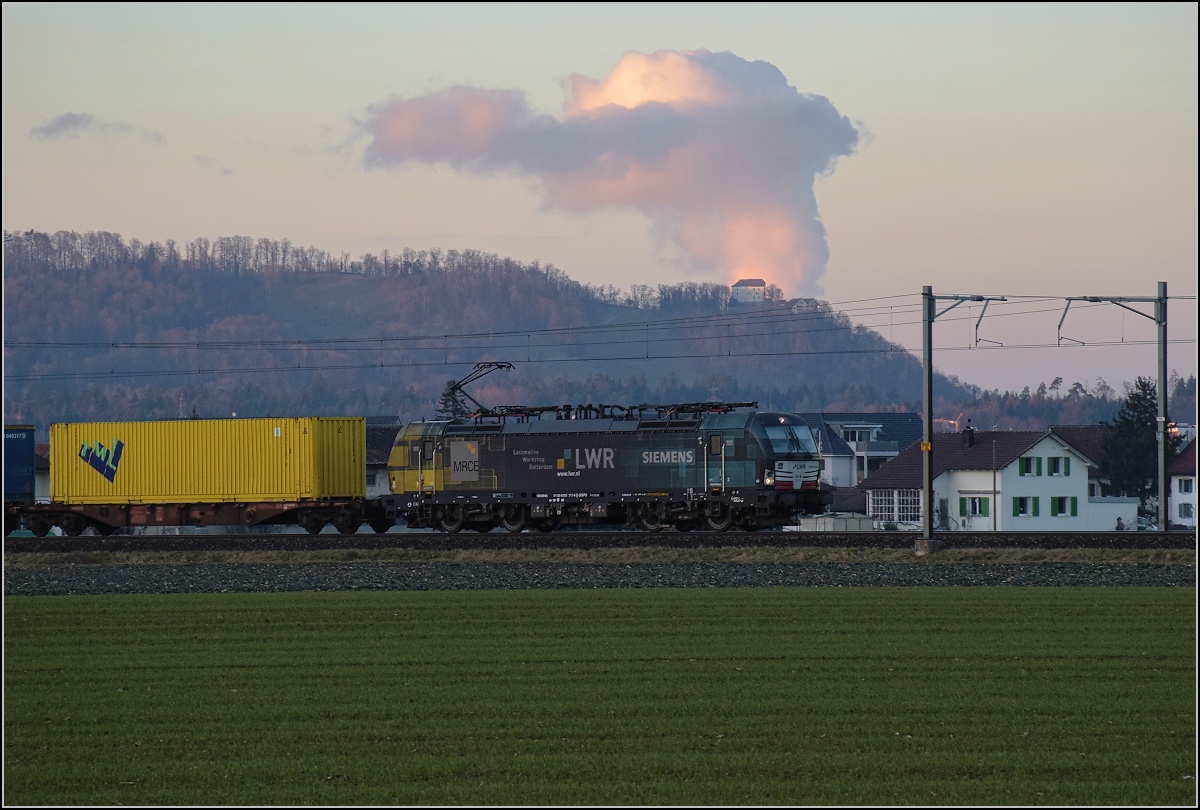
[(898, 505), (714, 444), (1058, 465), (1186, 511), (1025, 507), (883, 504), (1029, 465), (1064, 507), (908, 505), (790, 439), (973, 507), (856, 435), (1186, 485), (371, 479)]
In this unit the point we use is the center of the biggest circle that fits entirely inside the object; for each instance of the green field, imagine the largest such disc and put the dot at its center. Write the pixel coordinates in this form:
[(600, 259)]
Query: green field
[(657, 696)]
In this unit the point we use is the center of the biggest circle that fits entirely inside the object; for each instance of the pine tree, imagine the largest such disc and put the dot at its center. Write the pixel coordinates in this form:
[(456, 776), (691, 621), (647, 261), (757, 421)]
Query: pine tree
[(1131, 450), (451, 404)]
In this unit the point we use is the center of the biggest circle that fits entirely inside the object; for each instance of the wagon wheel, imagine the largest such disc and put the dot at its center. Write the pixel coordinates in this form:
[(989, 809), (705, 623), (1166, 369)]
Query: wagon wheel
[(39, 526), (720, 522), (104, 530), (72, 525), (311, 523), (381, 525), (513, 518), (450, 519), (347, 522)]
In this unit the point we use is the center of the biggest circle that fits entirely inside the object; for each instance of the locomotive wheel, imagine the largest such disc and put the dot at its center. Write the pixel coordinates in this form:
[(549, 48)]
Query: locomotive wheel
[(513, 519), (381, 525), (547, 525), (719, 523), (651, 518), (450, 519)]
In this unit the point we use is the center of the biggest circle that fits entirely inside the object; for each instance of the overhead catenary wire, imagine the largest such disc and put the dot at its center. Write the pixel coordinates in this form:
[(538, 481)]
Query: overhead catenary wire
[(447, 363)]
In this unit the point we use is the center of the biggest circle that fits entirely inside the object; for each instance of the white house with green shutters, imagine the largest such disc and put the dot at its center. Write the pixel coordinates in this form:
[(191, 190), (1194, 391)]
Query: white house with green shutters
[(997, 481)]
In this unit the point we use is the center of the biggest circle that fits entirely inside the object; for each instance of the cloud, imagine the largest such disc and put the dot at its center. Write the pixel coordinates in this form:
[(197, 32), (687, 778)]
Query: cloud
[(209, 163), (720, 152), (72, 125)]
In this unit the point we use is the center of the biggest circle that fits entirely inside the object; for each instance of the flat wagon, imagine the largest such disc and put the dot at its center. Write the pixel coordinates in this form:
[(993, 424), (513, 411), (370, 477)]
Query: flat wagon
[(206, 472)]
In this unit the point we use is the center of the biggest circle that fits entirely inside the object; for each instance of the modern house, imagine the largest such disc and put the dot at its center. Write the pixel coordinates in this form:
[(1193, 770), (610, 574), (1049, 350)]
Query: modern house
[(854, 445), (1181, 498), (998, 481)]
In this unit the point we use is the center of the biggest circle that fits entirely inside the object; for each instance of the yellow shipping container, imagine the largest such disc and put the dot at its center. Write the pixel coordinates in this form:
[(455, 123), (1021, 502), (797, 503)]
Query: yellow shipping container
[(208, 460)]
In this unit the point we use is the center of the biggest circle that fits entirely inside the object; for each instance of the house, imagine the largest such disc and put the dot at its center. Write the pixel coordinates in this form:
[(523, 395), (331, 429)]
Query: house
[(839, 458), (1181, 498), (998, 481), (381, 435), (854, 445), (1088, 441), (749, 290)]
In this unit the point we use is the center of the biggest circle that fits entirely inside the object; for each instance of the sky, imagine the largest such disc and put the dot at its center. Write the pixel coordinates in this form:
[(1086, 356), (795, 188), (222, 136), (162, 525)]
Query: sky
[(844, 152)]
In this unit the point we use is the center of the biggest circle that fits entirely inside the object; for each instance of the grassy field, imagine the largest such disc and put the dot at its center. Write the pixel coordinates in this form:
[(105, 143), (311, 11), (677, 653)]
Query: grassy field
[(705, 696)]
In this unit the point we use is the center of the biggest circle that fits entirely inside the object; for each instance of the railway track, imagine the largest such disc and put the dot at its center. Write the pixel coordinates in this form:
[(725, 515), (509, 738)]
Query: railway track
[(436, 541)]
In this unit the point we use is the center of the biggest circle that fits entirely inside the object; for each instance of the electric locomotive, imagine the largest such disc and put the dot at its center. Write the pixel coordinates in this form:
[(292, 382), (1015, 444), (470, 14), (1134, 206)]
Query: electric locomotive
[(647, 467)]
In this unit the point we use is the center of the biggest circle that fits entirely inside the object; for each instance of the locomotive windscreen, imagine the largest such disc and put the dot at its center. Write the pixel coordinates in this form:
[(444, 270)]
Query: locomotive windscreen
[(790, 439)]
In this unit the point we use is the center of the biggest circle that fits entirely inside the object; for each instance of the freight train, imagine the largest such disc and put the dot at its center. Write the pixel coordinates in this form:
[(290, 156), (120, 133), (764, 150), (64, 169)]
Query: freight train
[(647, 467)]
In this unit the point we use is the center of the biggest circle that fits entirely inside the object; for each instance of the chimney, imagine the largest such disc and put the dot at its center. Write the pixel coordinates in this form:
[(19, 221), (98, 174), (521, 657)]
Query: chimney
[(968, 435)]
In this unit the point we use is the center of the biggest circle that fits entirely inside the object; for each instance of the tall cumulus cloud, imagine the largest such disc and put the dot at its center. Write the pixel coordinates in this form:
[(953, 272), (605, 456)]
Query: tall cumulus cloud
[(721, 153)]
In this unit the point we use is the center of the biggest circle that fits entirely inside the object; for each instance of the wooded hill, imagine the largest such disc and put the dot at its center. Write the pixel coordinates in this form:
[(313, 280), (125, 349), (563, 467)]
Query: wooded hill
[(99, 328)]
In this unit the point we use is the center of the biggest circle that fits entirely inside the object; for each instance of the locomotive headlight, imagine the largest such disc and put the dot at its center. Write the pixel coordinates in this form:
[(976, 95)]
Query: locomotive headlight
[(769, 478)]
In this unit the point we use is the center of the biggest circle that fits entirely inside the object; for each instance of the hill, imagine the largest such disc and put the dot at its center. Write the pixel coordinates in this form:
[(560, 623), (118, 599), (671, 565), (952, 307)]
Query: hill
[(98, 328)]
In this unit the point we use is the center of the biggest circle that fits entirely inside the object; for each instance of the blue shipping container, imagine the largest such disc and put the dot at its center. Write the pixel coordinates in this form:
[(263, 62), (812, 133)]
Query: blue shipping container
[(18, 463)]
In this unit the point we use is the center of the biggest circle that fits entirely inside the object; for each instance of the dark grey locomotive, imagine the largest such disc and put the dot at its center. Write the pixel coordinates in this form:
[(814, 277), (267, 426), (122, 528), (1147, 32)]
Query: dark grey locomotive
[(647, 467)]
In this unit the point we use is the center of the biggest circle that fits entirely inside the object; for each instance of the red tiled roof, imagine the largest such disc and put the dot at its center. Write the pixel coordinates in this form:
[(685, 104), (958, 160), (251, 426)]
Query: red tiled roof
[(1088, 441), (951, 453), (1185, 462)]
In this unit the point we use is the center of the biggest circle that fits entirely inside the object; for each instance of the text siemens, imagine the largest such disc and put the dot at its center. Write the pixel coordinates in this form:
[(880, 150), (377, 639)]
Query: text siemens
[(669, 457)]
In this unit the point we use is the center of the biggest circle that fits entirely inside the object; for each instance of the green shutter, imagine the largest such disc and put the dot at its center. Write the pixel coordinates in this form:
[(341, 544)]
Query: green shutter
[(1074, 506), (1066, 465), (1016, 507), (1020, 467), (962, 507), (1039, 465), (983, 507), (1035, 507), (1054, 507)]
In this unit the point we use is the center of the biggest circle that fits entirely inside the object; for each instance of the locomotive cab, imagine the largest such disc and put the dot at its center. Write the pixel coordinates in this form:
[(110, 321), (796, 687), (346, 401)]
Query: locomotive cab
[(791, 464)]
